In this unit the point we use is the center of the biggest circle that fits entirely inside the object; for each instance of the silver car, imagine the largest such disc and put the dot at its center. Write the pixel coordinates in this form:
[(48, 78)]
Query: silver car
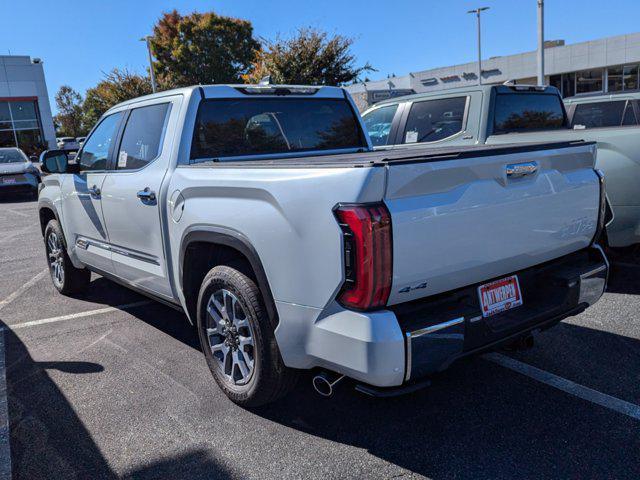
[(17, 172)]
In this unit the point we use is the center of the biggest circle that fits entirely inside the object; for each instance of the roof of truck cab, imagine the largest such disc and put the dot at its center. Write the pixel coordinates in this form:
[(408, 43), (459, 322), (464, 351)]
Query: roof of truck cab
[(449, 92), (235, 91), (438, 93), (597, 97)]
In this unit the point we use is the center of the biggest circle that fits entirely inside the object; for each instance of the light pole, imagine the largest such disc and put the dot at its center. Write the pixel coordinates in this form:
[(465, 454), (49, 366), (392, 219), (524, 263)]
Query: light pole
[(477, 12), (153, 75), (540, 42)]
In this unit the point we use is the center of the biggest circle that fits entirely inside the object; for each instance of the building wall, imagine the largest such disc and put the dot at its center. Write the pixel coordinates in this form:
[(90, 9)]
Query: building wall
[(21, 82), (605, 52)]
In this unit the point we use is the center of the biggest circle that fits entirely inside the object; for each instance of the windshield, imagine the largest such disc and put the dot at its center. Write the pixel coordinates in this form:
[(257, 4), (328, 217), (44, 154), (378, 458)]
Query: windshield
[(255, 126), (11, 155)]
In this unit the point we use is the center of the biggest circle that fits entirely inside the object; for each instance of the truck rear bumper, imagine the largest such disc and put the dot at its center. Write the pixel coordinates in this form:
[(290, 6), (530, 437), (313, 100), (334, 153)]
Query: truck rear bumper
[(624, 230), (440, 330), (414, 340)]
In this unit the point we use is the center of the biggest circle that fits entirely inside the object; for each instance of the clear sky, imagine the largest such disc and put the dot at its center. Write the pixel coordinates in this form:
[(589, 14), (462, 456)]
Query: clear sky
[(78, 40)]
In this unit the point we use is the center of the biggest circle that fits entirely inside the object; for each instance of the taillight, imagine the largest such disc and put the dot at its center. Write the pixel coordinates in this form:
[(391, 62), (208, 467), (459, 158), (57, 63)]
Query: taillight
[(366, 232)]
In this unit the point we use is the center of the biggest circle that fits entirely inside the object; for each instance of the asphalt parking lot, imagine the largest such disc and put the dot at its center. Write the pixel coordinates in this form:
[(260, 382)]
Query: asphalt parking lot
[(110, 385)]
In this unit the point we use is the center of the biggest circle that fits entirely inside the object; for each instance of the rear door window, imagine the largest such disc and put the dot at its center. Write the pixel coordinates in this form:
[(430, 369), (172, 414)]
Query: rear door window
[(604, 114), (378, 123), (524, 111), (241, 127), (142, 136), (434, 120)]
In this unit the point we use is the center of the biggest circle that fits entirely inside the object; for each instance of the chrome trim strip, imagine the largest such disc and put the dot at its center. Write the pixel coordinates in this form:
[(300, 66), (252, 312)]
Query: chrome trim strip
[(407, 374), (134, 255), (85, 243), (595, 271), (435, 328)]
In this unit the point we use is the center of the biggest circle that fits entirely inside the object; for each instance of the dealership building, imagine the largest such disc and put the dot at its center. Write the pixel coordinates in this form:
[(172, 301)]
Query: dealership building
[(25, 113), (604, 65)]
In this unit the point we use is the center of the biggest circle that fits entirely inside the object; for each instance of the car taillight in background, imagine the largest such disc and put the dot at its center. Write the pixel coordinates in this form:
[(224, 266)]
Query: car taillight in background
[(368, 255)]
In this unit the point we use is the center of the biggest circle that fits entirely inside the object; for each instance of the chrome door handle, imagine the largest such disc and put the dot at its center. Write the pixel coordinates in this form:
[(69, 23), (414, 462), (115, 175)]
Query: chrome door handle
[(147, 195), (517, 170), (95, 191)]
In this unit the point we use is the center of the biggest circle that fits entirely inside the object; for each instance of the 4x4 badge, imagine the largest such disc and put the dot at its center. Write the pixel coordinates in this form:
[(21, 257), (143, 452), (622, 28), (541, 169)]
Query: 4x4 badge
[(409, 289)]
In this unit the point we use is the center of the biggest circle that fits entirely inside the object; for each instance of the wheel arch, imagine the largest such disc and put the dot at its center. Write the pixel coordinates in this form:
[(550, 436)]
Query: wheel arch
[(221, 243), (46, 213)]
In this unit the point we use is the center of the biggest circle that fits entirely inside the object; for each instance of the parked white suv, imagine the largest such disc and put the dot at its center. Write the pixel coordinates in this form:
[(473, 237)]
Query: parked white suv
[(264, 213)]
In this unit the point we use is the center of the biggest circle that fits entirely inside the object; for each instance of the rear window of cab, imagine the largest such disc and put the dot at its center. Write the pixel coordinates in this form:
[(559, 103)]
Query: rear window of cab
[(526, 111), (230, 128)]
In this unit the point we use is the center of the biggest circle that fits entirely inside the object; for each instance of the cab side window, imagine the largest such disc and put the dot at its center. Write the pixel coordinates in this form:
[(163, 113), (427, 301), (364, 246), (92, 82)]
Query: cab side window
[(142, 137), (378, 123), (95, 151), (604, 114), (434, 120)]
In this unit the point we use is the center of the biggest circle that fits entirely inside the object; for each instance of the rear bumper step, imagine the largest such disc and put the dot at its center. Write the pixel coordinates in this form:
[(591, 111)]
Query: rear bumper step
[(551, 292)]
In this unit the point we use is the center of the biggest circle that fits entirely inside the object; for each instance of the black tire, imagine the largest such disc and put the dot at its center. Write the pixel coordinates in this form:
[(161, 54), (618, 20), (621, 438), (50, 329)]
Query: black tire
[(73, 280), (270, 379)]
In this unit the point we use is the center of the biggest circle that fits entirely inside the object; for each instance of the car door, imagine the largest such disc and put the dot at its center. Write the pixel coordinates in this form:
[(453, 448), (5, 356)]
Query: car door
[(131, 191), (83, 220)]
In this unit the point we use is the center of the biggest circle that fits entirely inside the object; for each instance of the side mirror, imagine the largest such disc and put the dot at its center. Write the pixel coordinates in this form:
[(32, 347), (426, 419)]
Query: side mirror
[(54, 161)]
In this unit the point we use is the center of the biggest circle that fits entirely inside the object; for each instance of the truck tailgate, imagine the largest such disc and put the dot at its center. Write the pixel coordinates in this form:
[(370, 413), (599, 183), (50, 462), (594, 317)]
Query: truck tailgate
[(459, 218)]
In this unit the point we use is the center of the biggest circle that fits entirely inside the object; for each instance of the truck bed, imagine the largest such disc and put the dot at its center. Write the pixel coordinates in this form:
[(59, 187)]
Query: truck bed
[(397, 155)]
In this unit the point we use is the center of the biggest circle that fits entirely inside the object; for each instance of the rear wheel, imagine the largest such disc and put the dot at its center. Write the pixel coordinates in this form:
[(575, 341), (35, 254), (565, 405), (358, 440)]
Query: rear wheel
[(65, 277), (238, 340)]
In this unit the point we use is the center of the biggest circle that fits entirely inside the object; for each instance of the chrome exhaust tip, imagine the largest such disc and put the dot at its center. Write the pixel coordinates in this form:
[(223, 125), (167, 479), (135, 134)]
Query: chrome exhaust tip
[(324, 382)]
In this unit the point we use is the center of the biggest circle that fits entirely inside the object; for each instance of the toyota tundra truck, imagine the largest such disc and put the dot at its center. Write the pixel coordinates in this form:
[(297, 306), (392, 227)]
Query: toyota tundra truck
[(264, 213), (510, 114)]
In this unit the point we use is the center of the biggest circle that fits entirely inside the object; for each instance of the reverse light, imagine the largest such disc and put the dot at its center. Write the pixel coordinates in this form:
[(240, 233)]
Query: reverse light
[(366, 231)]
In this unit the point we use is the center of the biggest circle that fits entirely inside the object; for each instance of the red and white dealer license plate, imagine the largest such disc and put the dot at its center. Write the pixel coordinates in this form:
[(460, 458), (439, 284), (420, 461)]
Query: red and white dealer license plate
[(499, 296)]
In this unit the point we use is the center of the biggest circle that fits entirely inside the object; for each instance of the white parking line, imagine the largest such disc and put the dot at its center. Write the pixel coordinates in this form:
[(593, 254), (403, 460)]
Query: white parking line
[(567, 386), (18, 212), (23, 288), (73, 316)]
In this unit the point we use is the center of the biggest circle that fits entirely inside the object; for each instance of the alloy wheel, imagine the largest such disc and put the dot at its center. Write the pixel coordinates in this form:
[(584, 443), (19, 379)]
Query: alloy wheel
[(230, 337), (56, 258)]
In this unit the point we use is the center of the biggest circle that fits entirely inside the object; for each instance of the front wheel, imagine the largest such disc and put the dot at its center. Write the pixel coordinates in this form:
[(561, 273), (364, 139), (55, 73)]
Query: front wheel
[(65, 277), (238, 340)]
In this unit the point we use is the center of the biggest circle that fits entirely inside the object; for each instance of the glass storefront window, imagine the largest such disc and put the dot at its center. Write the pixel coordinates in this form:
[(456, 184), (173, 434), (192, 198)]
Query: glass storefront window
[(568, 84), (630, 77), (588, 81), (622, 78), (20, 126), (614, 82)]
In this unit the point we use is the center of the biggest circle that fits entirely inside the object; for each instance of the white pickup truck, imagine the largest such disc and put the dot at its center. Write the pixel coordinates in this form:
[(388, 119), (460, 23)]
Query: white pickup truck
[(512, 114), (264, 213)]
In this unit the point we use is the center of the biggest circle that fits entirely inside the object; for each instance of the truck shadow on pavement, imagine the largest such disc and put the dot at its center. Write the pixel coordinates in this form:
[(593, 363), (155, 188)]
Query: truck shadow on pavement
[(49, 440), (477, 420)]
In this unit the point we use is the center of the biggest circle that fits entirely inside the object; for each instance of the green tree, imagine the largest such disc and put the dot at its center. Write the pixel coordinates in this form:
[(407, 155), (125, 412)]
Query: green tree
[(201, 48), (310, 57), (69, 120), (116, 86)]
